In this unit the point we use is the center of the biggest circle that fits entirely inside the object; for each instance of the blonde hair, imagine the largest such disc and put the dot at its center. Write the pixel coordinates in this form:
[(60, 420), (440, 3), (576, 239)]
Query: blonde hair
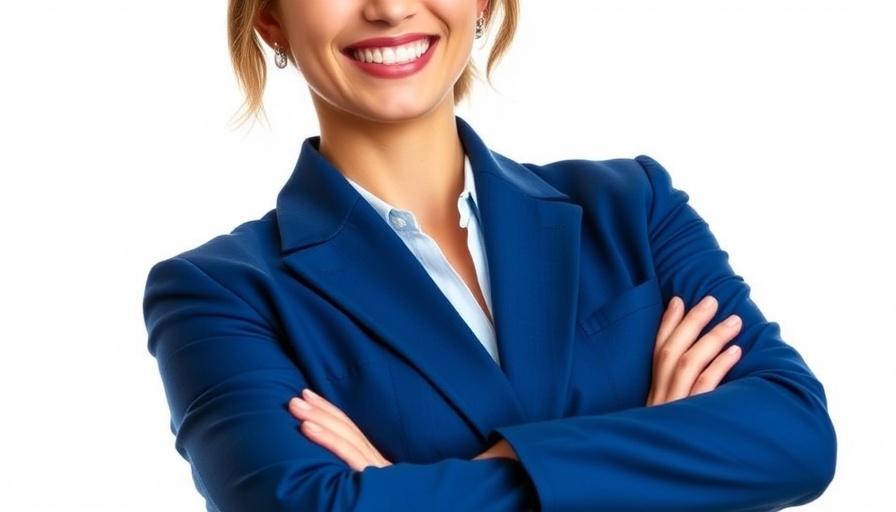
[(247, 54)]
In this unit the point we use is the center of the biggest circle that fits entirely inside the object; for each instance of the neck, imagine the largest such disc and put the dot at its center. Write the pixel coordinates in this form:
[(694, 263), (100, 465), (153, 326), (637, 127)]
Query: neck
[(415, 165)]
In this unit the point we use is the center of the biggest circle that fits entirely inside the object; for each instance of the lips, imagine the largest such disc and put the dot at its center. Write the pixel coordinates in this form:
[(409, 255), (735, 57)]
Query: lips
[(389, 51)]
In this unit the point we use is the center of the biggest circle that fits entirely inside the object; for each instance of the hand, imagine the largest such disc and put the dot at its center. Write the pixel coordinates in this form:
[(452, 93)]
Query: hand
[(684, 365), (329, 427)]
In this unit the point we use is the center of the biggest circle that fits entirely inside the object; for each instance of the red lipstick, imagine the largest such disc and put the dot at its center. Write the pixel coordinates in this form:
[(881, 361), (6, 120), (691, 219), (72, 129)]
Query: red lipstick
[(392, 57)]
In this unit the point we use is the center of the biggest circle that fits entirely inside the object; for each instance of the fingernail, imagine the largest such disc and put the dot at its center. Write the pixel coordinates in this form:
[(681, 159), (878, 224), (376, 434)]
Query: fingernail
[(733, 350), (300, 404), (314, 427), (675, 303), (732, 321), (707, 303), (307, 393)]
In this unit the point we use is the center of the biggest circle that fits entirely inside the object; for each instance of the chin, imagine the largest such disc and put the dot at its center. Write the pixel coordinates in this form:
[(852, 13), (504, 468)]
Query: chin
[(398, 115), (400, 104), (396, 110)]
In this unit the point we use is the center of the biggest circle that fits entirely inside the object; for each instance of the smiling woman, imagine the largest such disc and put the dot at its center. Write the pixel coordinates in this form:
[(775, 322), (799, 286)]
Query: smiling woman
[(249, 63), (424, 324)]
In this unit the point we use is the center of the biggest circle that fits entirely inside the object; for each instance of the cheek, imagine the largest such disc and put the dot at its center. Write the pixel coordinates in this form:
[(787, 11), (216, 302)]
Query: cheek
[(459, 15), (460, 22), (315, 56), (312, 27)]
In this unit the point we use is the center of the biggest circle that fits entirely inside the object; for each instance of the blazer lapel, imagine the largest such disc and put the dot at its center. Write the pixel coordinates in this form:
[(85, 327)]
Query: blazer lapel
[(532, 238), (336, 242)]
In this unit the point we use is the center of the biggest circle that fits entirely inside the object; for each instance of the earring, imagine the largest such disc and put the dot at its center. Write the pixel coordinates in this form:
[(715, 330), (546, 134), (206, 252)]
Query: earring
[(279, 56), (480, 27)]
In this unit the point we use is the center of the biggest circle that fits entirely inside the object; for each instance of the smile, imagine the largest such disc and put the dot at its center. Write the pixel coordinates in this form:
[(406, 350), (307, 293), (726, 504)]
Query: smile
[(390, 51)]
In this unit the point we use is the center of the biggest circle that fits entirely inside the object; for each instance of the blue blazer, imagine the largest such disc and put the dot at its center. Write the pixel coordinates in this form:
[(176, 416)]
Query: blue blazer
[(583, 257)]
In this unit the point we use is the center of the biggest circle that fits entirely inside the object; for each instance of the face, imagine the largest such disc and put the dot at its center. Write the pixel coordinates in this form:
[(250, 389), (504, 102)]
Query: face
[(383, 60)]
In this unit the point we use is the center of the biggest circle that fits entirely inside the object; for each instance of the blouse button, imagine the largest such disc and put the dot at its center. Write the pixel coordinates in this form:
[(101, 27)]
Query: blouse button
[(398, 222)]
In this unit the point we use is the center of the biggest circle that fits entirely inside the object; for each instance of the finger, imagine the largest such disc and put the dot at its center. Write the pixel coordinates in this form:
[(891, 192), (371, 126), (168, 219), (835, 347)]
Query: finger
[(328, 419), (333, 434), (671, 318), (666, 359), (345, 450), (343, 437), (337, 413), (716, 371), (325, 405), (700, 355)]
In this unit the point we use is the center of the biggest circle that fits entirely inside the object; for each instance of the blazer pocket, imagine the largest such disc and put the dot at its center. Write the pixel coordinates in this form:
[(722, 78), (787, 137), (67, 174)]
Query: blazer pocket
[(646, 295), (612, 367)]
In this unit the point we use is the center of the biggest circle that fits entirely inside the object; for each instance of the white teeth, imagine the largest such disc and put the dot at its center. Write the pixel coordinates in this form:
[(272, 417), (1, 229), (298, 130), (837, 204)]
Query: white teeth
[(388, 56), (393, 54)]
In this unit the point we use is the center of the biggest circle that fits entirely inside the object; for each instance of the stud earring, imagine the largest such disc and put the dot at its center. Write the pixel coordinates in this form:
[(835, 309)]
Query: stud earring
[(279, 56), (480, 27)]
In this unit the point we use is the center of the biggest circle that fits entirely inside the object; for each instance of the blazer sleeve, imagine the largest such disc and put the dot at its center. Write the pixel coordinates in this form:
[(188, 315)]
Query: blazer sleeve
[(228, 380), (761, 441)]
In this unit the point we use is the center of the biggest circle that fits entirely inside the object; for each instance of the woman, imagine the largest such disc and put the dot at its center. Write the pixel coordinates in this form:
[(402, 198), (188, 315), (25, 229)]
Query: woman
[(486, 334)]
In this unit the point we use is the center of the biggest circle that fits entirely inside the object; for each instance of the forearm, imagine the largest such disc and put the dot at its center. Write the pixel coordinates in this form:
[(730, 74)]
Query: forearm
[(752, 444), (495, 485), (228, 380), (248, 454)]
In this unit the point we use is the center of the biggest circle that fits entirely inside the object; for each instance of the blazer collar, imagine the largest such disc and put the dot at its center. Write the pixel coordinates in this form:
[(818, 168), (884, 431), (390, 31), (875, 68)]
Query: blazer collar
[(317, 199), (337, 243)]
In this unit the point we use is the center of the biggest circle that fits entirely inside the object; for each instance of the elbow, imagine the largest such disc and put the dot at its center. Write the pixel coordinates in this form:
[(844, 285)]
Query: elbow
[(824, 452), (279, 489), (822, 458), (816, 476), (814, 448), (801, 443)]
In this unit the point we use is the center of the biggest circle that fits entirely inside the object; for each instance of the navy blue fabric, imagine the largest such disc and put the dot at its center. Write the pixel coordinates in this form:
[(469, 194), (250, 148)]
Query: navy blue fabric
[(583, 256)]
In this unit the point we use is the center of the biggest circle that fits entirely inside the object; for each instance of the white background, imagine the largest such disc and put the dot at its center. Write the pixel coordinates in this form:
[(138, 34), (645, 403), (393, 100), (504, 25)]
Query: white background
[(778, 117)]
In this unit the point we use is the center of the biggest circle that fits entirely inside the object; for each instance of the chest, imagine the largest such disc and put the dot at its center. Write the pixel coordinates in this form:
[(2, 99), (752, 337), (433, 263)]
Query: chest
[(440, 399)]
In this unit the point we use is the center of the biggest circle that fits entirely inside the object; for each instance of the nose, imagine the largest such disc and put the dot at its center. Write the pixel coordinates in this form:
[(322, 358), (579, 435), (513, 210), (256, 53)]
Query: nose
[(389, 12)]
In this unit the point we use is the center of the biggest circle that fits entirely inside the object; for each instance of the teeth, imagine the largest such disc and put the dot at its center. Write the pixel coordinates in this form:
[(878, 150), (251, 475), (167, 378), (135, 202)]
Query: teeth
[(388, 56), (393, 54)]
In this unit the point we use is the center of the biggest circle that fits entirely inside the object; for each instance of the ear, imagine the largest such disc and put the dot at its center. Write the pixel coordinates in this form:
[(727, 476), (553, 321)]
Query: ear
[(267, 24), (481, 6)]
